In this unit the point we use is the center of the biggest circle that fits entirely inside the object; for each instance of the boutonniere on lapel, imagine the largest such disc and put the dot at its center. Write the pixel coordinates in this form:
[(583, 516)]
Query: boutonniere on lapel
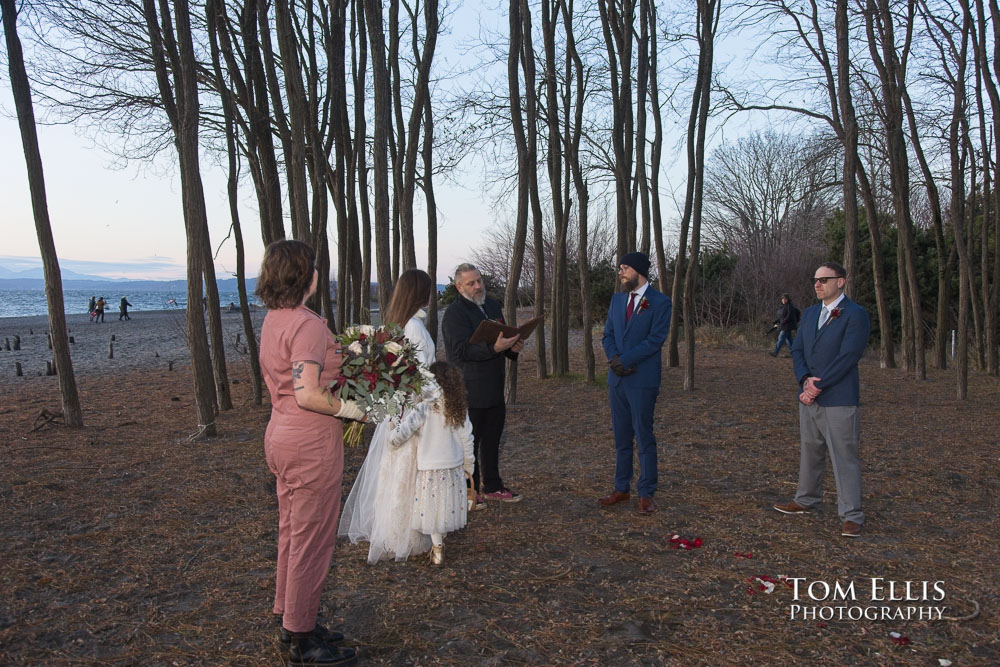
[(834, 314), (642, 305)]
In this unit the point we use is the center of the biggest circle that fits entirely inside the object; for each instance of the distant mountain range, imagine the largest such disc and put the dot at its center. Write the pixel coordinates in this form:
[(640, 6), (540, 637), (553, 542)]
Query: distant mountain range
[(98, 284)]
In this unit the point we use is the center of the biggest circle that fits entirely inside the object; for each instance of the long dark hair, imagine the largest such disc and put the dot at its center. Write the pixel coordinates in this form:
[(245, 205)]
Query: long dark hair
[(449, 378), (285, 273), (412, 292)]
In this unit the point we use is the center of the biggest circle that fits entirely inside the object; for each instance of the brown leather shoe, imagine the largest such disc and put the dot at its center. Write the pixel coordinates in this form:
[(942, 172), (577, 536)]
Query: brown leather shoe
[(850, 529), (646, 506), (791, 507), (615, 498)]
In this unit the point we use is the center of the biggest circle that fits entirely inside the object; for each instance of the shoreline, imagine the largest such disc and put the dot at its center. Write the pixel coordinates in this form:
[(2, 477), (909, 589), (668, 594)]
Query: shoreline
[(151, 339)]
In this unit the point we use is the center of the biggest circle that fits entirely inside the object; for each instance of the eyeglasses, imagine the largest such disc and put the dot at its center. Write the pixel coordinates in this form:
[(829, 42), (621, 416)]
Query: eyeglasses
[(824, 279)]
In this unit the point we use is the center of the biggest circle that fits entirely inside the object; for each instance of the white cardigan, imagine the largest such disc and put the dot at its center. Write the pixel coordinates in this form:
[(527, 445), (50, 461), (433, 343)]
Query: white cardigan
[(439, 447), (416, 332)]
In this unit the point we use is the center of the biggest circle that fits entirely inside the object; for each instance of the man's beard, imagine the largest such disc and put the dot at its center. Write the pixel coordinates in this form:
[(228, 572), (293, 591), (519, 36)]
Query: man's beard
[(630, 285), (478, 300)]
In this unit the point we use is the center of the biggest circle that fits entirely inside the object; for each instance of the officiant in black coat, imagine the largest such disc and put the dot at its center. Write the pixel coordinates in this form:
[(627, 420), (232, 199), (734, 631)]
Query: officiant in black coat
[(483, 367)]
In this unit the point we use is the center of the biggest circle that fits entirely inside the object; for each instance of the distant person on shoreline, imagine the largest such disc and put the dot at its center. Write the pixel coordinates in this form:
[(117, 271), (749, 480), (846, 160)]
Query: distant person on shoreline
[(99, 310), (123, 309), (92, 307)]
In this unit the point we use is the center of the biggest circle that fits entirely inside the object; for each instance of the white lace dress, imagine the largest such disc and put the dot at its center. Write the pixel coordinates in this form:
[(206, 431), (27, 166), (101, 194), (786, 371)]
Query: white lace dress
[(379, 504)]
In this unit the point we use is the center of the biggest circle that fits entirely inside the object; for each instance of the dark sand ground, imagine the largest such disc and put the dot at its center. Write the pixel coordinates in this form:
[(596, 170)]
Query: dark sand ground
[(124, 543)]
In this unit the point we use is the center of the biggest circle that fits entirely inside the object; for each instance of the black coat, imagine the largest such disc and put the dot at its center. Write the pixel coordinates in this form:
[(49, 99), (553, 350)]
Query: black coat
[(482, 368)]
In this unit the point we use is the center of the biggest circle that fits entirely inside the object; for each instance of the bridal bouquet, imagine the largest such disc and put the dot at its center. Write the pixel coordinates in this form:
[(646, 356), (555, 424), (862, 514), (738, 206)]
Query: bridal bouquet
[(380, 371)]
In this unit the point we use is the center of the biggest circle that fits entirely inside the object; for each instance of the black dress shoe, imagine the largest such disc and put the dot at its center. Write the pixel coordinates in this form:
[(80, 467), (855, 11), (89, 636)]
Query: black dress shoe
[(309, 649), (331, 637)]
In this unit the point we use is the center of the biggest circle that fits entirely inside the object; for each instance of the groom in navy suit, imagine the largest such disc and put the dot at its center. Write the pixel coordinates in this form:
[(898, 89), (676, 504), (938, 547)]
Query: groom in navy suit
[(637, 325), (833, 335)]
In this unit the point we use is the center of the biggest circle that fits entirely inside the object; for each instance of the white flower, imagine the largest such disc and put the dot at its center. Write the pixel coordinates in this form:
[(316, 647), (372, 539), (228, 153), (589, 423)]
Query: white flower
[(366, 329), (355, 347), (395, 348)]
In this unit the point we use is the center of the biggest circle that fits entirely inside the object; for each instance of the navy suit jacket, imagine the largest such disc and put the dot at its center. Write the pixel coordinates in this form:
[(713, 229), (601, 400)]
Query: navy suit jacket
[(637, 343), (832, 353)]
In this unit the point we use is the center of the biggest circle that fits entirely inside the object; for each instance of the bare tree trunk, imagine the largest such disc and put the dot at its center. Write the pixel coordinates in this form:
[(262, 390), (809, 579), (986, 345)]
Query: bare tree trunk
[(215, 14), (654, 167), (523, 183), (991, 217), (560, 286), (850, 140), (432, 219), (887, 358), (575, 132), (878, 16), (421, 92), (383, 107), (259, 140), (363, 278), (680, 265), (640, 188), (708, 11), (295, 148), (59, 335), (182, 108), (617, 21), (531, 168)]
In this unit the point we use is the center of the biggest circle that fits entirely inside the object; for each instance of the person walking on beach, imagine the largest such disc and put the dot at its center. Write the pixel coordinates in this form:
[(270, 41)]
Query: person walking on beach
[(99, 310), (123, 309), (786, 321), (91, 307), (304, 447)]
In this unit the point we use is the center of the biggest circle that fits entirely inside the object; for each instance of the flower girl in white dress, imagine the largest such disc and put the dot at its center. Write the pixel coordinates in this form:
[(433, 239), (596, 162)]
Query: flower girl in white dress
[(439, 429), (383, 487)]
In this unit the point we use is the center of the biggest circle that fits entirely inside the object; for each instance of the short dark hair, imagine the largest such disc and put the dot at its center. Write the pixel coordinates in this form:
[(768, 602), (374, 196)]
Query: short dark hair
[(285, 273), (836, 268)]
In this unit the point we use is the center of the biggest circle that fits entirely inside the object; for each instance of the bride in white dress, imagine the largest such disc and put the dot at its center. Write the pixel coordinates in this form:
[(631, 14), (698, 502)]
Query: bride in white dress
[(378, 507)]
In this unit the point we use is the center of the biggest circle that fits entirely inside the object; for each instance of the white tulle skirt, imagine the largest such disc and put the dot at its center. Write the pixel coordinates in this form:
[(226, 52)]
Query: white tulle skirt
[(439, 501), (380, 503)]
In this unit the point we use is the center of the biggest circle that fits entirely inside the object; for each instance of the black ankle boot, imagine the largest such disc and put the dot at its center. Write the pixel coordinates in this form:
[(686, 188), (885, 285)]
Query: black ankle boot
[(331, 637), (308, 649)]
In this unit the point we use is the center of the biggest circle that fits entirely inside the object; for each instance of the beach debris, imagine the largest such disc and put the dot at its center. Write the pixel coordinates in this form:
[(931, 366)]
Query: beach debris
[(48, 337), (17, 342), (111, 348), (45, 418), (898, 639), (72, 340), (6, 343), (50, 368), (18, 371)]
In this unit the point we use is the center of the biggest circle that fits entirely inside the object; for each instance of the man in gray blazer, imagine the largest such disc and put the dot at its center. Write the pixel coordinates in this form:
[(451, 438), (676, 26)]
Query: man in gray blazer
[(833, 335)]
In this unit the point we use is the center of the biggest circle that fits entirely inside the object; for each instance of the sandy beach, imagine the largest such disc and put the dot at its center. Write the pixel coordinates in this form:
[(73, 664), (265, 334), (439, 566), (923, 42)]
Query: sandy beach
[(149, 340)]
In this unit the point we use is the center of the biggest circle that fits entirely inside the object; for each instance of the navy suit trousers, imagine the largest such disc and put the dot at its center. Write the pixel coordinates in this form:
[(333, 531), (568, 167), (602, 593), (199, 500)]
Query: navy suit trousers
[(632, 418)]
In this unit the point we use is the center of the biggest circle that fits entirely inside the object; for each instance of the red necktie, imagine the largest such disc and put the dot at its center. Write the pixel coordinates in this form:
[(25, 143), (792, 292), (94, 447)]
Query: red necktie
[(631, 307)]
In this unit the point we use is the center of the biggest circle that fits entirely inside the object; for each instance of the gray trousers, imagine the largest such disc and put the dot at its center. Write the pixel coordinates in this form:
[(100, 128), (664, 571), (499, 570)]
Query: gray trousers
[(837, 430)]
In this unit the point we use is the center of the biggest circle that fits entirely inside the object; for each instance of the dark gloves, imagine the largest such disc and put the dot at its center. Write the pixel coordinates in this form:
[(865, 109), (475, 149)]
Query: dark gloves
[(619, 368)]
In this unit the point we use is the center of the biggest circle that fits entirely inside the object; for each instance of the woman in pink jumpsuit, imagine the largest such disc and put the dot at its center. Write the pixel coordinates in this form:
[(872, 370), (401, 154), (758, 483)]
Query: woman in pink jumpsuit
[(304, 446)]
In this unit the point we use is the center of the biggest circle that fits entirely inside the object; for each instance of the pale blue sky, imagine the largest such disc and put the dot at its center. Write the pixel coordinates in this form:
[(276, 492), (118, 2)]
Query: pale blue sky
[(132, 216)]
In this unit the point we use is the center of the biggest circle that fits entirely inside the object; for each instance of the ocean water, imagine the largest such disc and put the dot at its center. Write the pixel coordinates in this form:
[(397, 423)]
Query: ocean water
[(24, 302)]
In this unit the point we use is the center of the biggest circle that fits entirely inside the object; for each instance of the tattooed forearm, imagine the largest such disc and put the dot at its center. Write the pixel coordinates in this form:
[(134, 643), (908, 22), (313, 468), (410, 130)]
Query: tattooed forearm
[(297, 369)]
